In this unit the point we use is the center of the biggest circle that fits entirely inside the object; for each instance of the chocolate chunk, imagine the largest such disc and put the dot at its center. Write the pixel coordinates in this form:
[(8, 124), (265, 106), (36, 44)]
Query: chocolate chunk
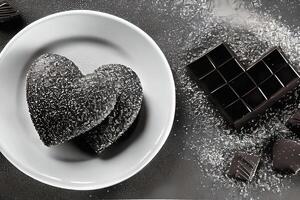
[(293, 122), (7, 12), (242, 94), (243, 166), (286, 156)]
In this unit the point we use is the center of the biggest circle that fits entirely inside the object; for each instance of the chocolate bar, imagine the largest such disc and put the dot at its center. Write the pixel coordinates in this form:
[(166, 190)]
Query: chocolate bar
[(243, 166), (286, 156), (293, 123), (242, 94)]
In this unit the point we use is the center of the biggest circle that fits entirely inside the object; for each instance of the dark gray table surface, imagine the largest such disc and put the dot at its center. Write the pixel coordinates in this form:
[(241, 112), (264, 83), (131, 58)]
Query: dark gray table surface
[(169, 175)]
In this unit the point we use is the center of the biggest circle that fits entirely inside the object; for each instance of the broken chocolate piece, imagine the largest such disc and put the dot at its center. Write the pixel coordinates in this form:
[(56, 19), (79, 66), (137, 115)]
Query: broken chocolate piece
[(294, 122), (242, 94), (7, 12), (286, 156), (243, 166)]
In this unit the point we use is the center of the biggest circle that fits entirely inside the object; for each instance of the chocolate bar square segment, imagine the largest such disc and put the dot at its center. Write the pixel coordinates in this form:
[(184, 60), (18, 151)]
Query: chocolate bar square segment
[(243, 166), (211, 82), (286, 75), (223, 96), (286, 156), (259, 72), (236, 110), (275, 60), (270, 86), (219, 55), (201, 67), (254, 98), (230, 69), (242, 84)]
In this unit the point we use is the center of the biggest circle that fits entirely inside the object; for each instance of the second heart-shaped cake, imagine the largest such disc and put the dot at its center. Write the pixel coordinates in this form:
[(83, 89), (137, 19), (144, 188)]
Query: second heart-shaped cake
[(129, 102), (63, 103)]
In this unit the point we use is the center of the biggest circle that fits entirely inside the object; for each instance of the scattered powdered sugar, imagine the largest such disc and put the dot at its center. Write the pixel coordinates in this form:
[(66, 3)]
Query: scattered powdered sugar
[(250, 30)]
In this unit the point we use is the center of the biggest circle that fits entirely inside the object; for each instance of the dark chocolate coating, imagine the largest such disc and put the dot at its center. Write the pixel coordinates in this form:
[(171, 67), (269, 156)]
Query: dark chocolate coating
[(243, 166), (126, 109), (242, 94), (293, 123), (62, 102), (286, 156)]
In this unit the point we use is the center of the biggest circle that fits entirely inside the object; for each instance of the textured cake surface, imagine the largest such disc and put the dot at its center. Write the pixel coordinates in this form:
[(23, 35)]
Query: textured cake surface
[(64, 103), (130, 96)]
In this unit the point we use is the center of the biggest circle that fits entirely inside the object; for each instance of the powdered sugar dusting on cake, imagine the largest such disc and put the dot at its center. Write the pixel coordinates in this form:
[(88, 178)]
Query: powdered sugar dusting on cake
[(128, 105), (63, 103)]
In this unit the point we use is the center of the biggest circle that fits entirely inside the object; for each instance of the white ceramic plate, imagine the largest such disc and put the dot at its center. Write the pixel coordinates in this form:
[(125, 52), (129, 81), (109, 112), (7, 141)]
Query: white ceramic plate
[(90, 39)]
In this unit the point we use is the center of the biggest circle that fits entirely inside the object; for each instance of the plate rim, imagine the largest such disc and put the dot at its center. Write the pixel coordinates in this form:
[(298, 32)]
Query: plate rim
[(149, 157)]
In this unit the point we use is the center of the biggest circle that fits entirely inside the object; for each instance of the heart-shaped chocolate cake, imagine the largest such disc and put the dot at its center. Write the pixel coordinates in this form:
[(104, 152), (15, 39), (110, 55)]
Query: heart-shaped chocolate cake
[(63, 103), (129, 101)]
